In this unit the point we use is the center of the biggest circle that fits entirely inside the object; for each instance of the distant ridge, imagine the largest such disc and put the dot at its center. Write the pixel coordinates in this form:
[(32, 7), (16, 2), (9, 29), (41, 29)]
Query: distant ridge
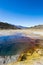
[(22, 27), (7, 26), (36, 27), (10, 26)]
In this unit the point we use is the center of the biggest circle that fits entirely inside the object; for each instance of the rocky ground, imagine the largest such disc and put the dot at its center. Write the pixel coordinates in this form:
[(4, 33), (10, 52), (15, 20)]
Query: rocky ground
[(27, 59)]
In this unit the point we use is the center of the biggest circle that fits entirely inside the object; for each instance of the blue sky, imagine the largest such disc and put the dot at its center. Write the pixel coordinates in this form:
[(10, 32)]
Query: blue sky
[(22, 12)]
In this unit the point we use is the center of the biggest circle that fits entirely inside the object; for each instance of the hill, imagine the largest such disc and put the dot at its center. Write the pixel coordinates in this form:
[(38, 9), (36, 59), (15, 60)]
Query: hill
[(7, 26), (10, 26), (36, 27)]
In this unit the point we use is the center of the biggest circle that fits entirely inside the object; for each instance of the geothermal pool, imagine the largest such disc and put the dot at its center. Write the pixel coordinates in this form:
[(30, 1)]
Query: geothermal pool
[(12, 46)]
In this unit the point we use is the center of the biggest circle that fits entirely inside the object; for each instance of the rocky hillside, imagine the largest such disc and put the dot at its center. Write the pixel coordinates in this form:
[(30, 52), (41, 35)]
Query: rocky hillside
[(7, 26)]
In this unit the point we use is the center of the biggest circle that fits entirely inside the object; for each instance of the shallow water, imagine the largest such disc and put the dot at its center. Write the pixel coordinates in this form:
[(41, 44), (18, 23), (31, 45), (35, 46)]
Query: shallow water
[(14, 44), (11, 46), (8, 44)]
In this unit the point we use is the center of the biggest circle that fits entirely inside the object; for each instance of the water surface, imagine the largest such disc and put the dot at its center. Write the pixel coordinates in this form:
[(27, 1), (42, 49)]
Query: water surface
[(14, 44)]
